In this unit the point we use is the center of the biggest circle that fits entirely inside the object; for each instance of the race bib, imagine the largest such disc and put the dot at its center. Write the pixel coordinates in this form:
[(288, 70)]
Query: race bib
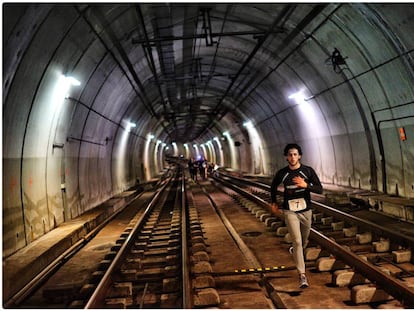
[(297, 205)]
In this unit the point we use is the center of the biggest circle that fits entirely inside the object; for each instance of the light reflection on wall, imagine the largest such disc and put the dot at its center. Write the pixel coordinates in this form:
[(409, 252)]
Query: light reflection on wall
[(60, 92), (121, 156), (234, 163), (197, 154), (175, 149), (157, 159), (204, 150), (163, 148), (147, 171), (187, 152), (258, 159), (55, 110), (212, 156), (311, 123), (217, 140), (62, 89)]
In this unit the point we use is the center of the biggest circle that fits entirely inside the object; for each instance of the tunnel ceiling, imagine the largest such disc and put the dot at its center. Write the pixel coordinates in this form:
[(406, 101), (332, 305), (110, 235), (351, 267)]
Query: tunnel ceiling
[(199, 59), (186, 65), (203, 57), (189, 70)]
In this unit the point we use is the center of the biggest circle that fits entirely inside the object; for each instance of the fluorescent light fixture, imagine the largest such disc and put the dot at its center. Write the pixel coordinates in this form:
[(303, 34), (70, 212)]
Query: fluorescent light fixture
[(248, 124), (299, 97), (64, 84), (73, 81), (129, 126)]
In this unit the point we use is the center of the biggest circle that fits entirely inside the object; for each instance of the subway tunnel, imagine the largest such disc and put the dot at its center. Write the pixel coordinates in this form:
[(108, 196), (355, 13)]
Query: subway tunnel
[(96, 95)]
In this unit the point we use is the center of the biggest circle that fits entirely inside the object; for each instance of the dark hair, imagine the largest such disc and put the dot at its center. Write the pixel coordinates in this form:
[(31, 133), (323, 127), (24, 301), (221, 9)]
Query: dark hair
[(292, 146)]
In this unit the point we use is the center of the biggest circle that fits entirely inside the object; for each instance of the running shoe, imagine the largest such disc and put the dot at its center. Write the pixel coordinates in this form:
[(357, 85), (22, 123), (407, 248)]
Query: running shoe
[(303, 281)]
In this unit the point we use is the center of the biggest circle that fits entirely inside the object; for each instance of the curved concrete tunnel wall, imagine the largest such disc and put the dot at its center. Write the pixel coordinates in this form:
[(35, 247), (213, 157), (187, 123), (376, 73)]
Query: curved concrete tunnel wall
[(64, 156)]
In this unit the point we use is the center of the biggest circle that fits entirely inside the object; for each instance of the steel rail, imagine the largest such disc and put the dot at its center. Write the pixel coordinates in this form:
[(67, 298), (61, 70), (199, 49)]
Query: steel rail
[(96, 299), (179, 202), (186, 290), (391, 285), (372, 226)]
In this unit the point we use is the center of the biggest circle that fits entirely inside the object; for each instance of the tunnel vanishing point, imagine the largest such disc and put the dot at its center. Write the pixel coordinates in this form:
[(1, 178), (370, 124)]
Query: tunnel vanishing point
[(97, 95)]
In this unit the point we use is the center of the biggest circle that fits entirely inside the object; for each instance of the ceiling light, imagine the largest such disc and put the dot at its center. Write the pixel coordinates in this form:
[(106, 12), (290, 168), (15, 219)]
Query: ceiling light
[(72, 80), (299, 97), (248, 124)]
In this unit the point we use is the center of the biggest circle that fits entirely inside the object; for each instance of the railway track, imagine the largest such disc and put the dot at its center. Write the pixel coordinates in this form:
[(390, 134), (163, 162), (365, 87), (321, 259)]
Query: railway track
[(192, 246), (149, 269), (64, 282)]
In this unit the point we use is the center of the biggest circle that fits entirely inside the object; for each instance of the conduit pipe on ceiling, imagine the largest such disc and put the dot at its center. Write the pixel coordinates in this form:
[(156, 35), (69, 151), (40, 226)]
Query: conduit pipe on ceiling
[(287, 10), (148, 51)]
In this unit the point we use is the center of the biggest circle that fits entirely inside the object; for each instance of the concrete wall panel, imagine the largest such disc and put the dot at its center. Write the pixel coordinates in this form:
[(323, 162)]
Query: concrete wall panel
[(13, 218)]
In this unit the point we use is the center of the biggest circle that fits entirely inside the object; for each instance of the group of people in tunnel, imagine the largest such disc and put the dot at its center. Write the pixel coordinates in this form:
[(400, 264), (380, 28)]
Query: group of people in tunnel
[(200, 166)]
